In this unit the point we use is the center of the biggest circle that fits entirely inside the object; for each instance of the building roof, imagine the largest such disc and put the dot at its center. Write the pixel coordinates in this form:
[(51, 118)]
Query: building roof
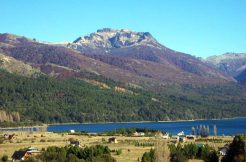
[(31, 148), (19, 155)]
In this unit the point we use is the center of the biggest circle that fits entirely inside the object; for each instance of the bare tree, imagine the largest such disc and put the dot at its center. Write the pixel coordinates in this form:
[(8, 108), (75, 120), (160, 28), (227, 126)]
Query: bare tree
[(193, 131), (208, 131), (215, 130)]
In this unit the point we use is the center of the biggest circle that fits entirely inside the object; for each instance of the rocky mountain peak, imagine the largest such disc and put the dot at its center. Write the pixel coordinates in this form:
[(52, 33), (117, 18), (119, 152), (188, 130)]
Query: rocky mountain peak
[(229, 63), (112, 38), (227, 57)]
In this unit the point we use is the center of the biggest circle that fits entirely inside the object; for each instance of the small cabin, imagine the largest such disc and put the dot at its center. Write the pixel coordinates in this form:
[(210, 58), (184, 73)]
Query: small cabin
[(72, 131), (112, 140)]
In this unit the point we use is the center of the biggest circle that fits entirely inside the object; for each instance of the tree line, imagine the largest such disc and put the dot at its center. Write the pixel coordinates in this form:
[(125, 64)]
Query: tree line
[(97, 153), (32, 99)]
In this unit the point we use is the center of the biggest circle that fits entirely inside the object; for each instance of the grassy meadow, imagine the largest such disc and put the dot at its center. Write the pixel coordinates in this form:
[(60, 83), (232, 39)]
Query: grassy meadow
[(131, 148)]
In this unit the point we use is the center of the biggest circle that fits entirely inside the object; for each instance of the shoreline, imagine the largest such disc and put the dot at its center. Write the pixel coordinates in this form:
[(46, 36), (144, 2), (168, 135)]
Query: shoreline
[(161, 121)]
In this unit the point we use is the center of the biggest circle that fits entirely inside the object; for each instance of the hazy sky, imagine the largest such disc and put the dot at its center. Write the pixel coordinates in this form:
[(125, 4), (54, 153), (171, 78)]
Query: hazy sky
[(197, 27)]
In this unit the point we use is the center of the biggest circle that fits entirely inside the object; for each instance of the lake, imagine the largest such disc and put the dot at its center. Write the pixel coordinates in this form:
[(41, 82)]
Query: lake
[(224, 127)]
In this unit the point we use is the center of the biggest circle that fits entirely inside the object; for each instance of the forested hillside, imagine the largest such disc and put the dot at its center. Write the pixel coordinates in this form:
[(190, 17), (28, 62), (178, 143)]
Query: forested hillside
[(43, 99)]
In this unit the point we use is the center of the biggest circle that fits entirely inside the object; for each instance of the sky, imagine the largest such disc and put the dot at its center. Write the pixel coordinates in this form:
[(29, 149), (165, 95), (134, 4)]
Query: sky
[(198, 27)]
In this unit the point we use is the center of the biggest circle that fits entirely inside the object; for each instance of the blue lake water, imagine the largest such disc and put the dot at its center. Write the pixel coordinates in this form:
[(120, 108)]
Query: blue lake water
[(224, 127)]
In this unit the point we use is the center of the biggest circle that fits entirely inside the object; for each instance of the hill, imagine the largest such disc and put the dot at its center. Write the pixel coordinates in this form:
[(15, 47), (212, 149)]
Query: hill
[(76, 100), (15, 66)]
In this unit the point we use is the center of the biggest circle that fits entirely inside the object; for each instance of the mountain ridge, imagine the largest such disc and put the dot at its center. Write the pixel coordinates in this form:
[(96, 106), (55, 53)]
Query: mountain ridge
[(233, 64), (142, 47), (111, 38), (142, 61)]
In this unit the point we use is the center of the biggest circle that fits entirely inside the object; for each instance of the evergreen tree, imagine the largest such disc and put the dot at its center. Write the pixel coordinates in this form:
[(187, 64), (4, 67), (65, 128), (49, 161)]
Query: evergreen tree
[(148, 156), (236, 152)]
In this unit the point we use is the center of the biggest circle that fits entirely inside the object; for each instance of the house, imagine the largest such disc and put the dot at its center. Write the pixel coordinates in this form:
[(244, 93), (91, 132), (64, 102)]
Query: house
[(75, 143), (20, 155), (181, 133), (112, 140), (33, 151), (165, 136), (135, 134), (141, 133), (138, 134), (72, 131), (175, 139)]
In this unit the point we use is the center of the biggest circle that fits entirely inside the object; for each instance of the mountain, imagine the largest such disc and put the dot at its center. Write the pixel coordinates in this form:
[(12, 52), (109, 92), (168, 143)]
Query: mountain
[(233, 64), (140, 53), (57, 61), (122, 55), (111, 75)]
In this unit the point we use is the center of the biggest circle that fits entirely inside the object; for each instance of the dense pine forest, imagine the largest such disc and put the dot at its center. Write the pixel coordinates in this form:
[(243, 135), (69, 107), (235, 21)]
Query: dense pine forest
[(46, 100)]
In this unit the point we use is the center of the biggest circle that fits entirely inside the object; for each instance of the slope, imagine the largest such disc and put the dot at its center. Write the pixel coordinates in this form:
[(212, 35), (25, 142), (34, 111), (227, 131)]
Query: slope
[(76, 100)]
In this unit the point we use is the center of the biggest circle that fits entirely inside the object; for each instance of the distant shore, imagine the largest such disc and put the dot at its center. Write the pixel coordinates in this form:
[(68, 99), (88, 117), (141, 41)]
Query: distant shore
[(162, 121)]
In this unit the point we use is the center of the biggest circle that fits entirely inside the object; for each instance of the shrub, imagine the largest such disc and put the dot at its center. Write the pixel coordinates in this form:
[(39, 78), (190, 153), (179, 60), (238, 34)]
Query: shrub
[(4, 158), (118, 152), (51, 140), (96, 153), (1, 141), (236, 150), (149, 156), (71, 139)]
